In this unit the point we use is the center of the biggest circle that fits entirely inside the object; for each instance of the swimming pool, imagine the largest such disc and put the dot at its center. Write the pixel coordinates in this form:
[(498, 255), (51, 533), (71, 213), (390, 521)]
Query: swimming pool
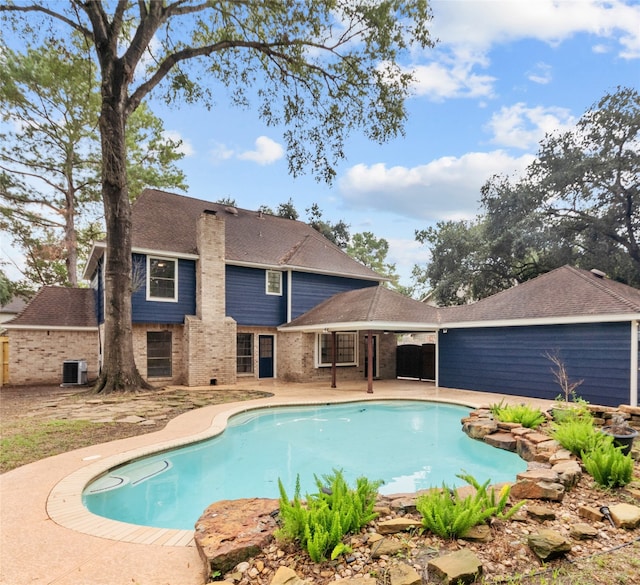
[(410, 445)]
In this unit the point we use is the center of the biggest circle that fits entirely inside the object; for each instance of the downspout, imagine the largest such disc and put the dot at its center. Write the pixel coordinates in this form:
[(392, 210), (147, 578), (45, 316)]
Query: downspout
[(289, 294), (633, 387), (370, 362)]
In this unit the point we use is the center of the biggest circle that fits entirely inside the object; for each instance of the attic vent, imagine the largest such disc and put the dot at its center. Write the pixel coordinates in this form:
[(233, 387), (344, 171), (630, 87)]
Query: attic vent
[(210, 211), (231, 210), (598, 273)]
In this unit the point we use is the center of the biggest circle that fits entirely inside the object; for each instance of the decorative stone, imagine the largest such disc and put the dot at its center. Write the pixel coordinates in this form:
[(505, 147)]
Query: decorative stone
[(590, 513), (406, 504), (540, 474), (537, 438), (537, 490), (541, 513), (397, 525), (504, 441), (403, 574), (387, 546), (560, 455), (287, 576), (625, 516), (232, 531), (459, 567), (548, 544), (583, 531), (478, 429), (480, 533), (569, 473)]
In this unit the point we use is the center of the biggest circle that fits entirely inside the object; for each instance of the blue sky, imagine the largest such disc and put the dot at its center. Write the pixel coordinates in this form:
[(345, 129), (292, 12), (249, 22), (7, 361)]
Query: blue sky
[(504, 73)]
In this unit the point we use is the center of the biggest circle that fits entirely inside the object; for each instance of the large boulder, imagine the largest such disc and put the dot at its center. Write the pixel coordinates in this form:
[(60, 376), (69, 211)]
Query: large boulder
[(548, 544)]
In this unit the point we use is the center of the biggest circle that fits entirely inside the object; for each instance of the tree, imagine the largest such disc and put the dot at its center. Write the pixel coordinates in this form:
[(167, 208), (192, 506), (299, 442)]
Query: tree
[(287, 210), (325, 68), (50, 155), (338, 232), (372, 252), (578, 203), (5, 289)]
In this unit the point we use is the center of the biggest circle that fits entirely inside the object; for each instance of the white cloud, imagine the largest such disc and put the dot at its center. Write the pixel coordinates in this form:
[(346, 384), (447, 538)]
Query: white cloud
[(267, 151), (443, 189), (541, 74), (438, 81), (220, 152), (186, 148), (521, 127)]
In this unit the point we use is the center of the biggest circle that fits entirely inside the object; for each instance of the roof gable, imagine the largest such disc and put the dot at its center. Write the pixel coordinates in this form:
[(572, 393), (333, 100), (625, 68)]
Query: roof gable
[(167, 222), (57, 306)]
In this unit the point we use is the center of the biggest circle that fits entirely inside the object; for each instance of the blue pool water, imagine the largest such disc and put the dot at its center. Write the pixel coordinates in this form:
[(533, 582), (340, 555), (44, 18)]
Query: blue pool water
[(410, 445)]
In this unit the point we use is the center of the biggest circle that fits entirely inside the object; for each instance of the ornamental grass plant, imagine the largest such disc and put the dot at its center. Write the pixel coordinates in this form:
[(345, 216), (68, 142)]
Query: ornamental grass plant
[(523, 414)]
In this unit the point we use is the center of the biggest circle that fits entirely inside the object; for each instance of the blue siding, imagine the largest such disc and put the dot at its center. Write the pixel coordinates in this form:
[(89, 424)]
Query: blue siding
[(247, 301), (511, 360), (311, 289), (145, 311)]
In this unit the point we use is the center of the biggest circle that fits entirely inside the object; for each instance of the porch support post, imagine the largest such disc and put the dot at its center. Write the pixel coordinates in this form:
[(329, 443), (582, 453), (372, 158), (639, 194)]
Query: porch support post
[(334, 353), (370, 362)]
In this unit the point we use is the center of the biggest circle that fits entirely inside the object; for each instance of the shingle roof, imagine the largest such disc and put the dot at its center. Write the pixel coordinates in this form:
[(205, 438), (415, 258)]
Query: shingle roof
[(375, 306), (167, 222), (563, 294), (56, 306), (14, 305)]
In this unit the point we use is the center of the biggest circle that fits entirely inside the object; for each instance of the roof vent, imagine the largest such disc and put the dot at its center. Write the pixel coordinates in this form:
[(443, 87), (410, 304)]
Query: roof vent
[(232, 210), (598, 273), (210, 211)]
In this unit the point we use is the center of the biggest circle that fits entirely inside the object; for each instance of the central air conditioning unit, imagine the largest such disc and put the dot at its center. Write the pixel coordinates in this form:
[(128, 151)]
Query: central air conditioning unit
[(74, 372)]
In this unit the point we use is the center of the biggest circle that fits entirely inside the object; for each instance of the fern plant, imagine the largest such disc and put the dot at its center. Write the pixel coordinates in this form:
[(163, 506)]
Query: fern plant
[(523, 414), (448, 515), (608, 466), (579, 435), (320, 524)]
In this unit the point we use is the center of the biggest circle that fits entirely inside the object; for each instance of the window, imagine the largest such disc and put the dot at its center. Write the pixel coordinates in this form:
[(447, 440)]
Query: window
[(244, 353), (162, 284), (274, 282), (346, 349), (158, 354)]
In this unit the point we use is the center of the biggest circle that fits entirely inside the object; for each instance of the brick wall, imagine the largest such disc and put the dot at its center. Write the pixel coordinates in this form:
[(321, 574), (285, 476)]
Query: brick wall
[(177, 353), (36, 355)]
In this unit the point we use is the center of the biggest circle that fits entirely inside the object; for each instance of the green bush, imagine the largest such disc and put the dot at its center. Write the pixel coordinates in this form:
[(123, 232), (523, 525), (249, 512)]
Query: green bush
[(447, 515), (320, 523), (608, 466), (528, 417), (579, 435)]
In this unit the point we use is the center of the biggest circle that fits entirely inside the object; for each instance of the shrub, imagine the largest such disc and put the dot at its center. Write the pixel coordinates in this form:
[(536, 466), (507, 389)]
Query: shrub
[(608, 466), (579, 435), (447, 515), (320, 523), (528, 417)]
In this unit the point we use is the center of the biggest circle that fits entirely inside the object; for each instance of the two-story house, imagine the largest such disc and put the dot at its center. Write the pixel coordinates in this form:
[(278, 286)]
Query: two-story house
[(212, 284)]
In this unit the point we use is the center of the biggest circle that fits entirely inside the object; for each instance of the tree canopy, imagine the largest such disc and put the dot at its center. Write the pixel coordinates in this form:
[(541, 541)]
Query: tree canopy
[(50, 199), (578, 203), (319, 70)]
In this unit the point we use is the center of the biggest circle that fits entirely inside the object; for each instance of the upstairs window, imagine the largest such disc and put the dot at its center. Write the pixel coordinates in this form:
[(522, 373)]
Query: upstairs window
[(274, 282), (346, 349), (162, 284)]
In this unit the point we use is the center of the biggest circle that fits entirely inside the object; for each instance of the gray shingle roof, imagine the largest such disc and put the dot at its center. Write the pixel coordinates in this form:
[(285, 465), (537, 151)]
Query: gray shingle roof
[(56, 306), (167, 222), (563, 294)]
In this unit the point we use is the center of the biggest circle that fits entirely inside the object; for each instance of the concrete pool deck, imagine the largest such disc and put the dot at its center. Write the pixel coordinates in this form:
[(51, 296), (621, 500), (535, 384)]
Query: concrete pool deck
[(48, 537)]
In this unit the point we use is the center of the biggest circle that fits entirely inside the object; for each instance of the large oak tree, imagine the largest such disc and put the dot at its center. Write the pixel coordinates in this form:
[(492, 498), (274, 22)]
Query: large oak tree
[(320, 69)]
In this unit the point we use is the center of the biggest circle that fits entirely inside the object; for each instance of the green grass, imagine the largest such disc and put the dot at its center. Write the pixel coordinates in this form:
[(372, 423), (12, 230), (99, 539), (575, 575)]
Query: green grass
[(31, 440)]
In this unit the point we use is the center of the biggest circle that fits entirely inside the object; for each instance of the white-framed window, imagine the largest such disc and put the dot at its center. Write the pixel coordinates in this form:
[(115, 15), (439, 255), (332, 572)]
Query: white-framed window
[(162, 279), (346, 349), (158, 354), (244, 353), (274, 282)]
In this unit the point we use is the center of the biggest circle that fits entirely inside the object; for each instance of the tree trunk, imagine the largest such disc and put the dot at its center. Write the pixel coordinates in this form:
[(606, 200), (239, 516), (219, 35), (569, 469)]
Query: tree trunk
[(119, 372)]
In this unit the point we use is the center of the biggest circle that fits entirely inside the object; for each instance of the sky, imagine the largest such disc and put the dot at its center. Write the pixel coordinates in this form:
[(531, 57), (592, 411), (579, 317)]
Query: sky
[(503, 74)]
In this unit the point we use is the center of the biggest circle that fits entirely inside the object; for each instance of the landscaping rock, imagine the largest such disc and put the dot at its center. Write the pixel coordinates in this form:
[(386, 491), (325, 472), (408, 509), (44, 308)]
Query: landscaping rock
[(403, 574), (541, 513), (504, 441), (479, 428), (537, 490), (397, 525), (590, 513), (583, 531), (287, 576), (387, 546), (462, 567), (539, 474), (480, 533), (625, 516), (231, 531), (569, 473), (548, 544)]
